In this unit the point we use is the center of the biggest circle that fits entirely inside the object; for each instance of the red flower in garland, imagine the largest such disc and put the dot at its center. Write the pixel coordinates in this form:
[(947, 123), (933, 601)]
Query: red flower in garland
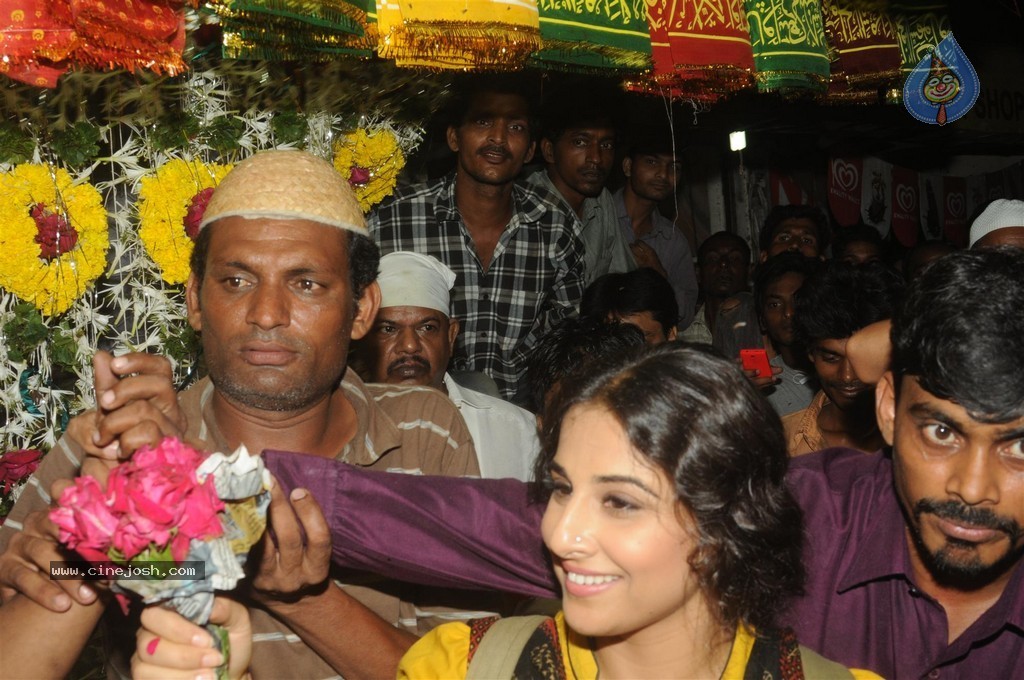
[(196, 210), (16, 466), (56, 236)]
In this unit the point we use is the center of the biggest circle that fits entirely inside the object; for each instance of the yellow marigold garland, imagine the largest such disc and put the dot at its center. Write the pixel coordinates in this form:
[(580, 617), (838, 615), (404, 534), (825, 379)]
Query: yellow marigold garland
[(51, 283), (164, 201), (371, 161)]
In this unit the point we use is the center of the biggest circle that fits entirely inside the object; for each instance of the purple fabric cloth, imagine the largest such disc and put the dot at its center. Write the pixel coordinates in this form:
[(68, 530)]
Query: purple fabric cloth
[(444, 531), (861, 607)]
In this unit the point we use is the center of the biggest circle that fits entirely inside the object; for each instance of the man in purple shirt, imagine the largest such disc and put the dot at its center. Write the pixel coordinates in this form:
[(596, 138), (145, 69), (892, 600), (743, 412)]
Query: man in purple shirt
[(913, 555)]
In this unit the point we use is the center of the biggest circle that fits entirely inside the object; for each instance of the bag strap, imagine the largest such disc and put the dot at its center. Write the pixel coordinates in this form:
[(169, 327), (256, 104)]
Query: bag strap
[(817, 667), (501, 646)]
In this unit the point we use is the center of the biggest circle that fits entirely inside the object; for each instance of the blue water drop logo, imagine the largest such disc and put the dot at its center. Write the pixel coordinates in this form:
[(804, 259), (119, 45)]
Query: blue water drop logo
[(943, 86)]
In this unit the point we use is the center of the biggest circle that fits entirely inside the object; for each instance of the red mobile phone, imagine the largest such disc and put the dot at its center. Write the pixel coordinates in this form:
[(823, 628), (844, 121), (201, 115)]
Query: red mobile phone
[(756, 360)]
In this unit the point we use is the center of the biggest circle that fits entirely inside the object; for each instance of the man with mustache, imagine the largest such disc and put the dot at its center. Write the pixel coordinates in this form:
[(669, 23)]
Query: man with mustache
[(515, 250), (830, 307), (283, 275), (410, 343), (652, 169)]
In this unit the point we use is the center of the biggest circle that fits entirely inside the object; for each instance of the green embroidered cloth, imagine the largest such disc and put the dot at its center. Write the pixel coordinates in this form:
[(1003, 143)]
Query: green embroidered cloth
[(788, 40), (601, 35)]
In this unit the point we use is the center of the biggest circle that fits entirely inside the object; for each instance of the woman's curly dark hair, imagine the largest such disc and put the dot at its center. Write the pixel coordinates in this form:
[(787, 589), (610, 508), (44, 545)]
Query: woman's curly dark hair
[(694, 415)]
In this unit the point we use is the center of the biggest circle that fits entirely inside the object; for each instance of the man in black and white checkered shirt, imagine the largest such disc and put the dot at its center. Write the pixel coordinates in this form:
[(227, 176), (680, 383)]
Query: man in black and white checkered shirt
[(516, 252)]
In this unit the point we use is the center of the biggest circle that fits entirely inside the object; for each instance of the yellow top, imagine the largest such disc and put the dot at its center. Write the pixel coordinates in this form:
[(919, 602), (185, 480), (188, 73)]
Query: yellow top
[(443, 653)]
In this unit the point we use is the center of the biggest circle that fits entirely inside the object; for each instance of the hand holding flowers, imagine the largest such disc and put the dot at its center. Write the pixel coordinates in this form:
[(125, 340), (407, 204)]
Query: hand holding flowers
[(165, 507)]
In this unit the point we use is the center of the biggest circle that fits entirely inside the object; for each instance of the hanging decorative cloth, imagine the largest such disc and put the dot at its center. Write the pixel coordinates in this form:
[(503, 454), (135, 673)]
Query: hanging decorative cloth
[(602, 35), (130, 34), (845, 189), (954, 190), (455, 34), (906, 208), (920, 26), (43, 38), (788, 40), (296, 30), (864, 50), (37, 39), (701, 49)]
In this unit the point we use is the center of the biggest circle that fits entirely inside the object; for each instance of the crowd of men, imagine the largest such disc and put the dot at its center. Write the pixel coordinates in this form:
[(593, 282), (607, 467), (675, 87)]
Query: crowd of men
[(427, 337)]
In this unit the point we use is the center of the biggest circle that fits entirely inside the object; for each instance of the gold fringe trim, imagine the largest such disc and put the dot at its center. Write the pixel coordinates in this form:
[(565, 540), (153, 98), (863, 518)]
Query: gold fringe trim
[(617, 57), (333, 14), (457, 45), (239, 46), (813, 80)]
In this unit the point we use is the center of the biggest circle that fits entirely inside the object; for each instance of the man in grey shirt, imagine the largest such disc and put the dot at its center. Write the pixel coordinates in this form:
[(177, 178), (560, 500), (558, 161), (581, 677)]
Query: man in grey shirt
[(578, 147)]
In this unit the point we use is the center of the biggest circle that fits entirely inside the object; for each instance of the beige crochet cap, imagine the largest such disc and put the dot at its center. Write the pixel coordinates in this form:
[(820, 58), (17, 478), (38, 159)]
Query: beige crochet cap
[(284, 185)]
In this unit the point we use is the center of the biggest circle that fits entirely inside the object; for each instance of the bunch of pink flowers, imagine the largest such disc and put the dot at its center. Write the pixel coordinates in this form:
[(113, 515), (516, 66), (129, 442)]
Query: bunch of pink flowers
[(152, 508)]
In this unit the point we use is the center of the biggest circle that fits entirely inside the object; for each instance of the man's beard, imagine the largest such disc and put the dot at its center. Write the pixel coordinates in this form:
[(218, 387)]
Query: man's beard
[(298, 398), (956, 564)]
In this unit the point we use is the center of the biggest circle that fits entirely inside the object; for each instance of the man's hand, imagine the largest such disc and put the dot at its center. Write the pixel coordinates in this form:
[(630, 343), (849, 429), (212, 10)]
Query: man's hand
[(762, 382), (296, 549), (646, 257), (25, 567), (136, 406), (169, 646)]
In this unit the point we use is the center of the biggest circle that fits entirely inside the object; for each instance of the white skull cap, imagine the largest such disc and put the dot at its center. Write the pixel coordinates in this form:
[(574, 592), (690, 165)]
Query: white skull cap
[(409, 279)]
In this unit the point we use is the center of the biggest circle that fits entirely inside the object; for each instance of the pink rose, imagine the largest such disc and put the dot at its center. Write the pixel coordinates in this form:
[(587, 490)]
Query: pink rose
[(152, 501), (16, 466), (84, 518), (158, 498)]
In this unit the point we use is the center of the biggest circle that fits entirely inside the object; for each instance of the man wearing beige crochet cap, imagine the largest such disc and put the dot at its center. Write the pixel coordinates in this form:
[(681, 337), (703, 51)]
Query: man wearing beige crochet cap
[(1001, 223), (283, 276), (411, 343)]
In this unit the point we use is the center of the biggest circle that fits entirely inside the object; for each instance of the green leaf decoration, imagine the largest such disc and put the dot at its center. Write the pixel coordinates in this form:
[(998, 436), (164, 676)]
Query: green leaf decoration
[(15, 145), (224, 134), (290, 127), (174, 131), (63, 349), (24, 331), (181, 344), (78, 144)]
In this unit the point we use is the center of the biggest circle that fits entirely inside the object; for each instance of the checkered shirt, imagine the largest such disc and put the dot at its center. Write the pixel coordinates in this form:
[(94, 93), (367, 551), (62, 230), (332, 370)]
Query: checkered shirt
[(535, 277)]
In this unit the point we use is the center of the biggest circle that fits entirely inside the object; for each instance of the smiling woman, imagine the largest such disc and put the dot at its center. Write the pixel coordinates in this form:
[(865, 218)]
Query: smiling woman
[(672, 535)]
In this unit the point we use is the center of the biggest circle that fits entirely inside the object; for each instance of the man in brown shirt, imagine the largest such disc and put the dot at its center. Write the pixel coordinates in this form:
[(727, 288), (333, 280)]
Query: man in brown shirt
[(830, 307), (283, 277)]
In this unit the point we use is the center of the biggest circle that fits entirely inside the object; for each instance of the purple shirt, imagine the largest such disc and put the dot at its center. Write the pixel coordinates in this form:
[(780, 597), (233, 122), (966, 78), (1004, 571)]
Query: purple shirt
[(861, 607)]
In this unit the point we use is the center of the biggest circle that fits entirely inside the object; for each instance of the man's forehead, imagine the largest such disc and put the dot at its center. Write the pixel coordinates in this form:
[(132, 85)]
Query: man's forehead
[(239, 233), (796, 224), (832, 345), (409, 314), (724, 247), (786, 281), (660, 156), (913, 396), (498, 104), (589, 129)]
